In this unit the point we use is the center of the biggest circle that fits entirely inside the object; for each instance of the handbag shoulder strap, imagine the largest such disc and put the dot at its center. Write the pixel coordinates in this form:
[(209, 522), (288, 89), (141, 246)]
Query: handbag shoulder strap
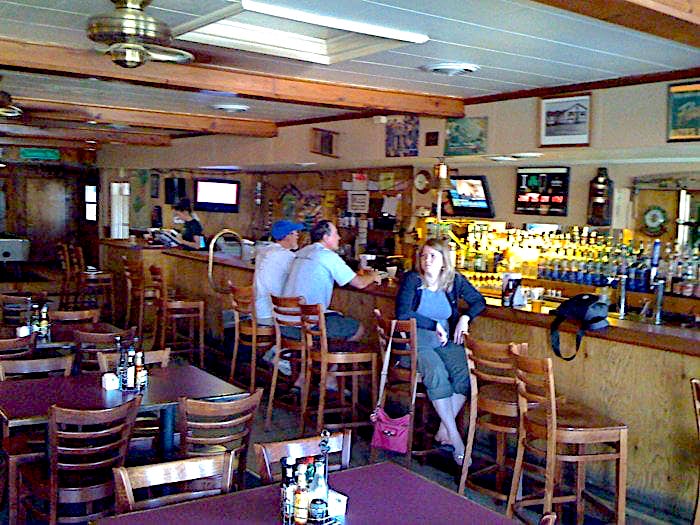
[(385, 363)]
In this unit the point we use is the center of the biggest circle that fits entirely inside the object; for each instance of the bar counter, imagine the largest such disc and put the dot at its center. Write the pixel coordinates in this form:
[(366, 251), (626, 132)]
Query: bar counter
[(634, 372)]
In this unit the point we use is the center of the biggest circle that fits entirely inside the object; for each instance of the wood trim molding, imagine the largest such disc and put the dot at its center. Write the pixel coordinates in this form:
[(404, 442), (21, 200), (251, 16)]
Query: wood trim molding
[(76, 112), (650, 78), (673, 19), (43, 58), (143, 139)]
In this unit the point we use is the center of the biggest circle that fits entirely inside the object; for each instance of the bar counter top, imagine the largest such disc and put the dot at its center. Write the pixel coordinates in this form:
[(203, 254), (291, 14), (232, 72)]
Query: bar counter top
[(140, 244), (668, 338)]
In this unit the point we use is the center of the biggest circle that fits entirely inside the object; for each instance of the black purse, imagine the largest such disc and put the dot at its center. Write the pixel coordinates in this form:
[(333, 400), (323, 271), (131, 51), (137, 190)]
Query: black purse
[(588, 310)]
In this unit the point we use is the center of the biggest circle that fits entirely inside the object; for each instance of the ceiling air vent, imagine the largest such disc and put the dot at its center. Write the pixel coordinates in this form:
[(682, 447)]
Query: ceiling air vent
[(451, 69)]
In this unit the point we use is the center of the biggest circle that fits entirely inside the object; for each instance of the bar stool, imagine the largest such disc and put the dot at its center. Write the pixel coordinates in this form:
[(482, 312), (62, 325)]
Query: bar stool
[(402, 380), (695, 385), (286, 314), (257, 337), (327, 364), (139, 296), (95, 288), (567, 429), (172, 315), (493, 406)]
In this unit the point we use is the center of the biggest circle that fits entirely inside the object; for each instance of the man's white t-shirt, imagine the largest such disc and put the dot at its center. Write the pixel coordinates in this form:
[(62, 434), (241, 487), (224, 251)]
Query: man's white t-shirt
[(272, 264)]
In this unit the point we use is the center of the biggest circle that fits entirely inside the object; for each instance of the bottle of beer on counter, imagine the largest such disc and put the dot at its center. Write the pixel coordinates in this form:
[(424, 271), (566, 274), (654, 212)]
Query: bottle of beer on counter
[(122, 363), (301, 498), (287, 491)]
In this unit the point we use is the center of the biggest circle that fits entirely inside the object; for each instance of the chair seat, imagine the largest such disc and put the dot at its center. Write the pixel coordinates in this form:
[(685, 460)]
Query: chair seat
[(575, 417)]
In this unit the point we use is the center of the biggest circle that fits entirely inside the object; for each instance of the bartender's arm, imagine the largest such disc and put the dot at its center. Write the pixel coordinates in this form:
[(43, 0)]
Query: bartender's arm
[(195, 244)]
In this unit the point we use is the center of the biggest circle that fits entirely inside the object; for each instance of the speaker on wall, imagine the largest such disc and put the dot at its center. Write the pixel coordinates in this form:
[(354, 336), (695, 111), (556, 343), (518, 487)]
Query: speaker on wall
[(175, 189)]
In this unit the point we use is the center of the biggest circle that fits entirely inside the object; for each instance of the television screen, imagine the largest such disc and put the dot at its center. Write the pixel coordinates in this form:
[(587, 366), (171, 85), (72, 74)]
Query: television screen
[(219, 195), (469, 197)]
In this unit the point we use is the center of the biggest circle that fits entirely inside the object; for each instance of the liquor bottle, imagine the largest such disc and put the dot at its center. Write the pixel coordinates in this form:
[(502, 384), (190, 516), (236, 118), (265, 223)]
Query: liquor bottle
[(44, 321), (131, 368), (35, 318), (141, 372), (319, 485), (301, 498), (287, 490), (122, 363)]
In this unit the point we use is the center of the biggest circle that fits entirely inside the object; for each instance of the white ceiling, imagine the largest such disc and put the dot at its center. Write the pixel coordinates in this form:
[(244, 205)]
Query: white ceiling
[(518, 44)]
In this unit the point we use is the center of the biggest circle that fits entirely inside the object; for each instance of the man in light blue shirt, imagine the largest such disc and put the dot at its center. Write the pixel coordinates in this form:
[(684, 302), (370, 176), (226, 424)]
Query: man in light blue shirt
[(315, 270)]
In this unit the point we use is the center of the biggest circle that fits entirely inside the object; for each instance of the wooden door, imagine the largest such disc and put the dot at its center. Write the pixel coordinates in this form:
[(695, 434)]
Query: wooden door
[(654, 204), (46, 216)]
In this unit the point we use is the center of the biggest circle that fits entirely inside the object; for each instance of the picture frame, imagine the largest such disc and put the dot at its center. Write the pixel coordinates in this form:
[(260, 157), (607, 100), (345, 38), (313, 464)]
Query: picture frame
[(683, 112), (358, 201), (466, 136), (324, 142), (542, 191), (565, 121), (155, 185)]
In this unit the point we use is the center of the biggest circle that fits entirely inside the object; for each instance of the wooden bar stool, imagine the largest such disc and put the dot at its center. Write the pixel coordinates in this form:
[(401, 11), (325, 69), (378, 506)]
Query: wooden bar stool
[(567, 429), (180, 325), (326, 363), (695, 385), (286, 314), (139, 296), (402, 380), (249, 333), (95, 288), (493, 406)]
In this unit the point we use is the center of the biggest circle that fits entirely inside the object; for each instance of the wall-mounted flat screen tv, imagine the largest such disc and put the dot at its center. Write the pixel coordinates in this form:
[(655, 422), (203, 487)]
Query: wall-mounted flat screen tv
[(469, 197), (218, 195)]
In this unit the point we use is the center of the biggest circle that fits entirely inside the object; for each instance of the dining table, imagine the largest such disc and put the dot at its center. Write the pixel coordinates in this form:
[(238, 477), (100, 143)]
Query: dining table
[(377, 493)]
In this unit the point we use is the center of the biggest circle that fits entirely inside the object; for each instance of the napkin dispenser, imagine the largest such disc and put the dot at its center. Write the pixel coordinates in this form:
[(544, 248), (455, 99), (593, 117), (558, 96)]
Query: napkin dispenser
[(110, 381)]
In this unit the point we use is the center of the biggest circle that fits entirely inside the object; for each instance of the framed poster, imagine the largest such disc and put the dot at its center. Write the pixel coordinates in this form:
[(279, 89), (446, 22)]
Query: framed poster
[(565, 121), (155, 185), (402, 136), (324, 142), (358, 201), (542, 191), (683, 112), (466, 136)]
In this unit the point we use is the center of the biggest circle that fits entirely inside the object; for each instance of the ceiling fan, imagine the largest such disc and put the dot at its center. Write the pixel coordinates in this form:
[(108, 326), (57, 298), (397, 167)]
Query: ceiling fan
[(7, 108), (132, 37)]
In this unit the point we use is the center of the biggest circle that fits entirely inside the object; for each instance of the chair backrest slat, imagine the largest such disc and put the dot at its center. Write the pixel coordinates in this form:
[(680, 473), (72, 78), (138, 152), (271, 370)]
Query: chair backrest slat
[(270, 454), (18, 347), (15, 369)]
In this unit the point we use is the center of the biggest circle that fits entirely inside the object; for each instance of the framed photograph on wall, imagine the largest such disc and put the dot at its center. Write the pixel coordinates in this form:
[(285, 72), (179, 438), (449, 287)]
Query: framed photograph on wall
[(324, 142), (155, 185), (683, 112), (565, 121), (466, 136)]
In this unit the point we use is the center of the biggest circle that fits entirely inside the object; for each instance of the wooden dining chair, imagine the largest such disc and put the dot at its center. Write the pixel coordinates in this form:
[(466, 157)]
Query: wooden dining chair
[(89, 344), (30, 444), (326, 364), (90, 315), (108, 360), (180, 321), (84, 447), (217, 470), (290, 346), (15, 309), (695, 385), (561, 432), (268, 455), (249, 333), (214, 427), (493, 406), (18, 347)]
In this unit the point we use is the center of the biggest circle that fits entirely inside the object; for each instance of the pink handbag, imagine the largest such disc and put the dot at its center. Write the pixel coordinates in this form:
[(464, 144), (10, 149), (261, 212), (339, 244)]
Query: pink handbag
[(391, 433)]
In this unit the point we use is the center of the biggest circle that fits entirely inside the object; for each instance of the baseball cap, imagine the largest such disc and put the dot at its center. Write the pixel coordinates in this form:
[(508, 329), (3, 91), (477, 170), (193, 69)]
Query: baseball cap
[(282, 228)]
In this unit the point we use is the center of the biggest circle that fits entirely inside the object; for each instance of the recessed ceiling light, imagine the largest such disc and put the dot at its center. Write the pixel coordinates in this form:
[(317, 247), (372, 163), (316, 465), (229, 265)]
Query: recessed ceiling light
[(91, 142), (231, 108), (304, 164), (451, 69), (503, 158), (527, 155), (91, 122)]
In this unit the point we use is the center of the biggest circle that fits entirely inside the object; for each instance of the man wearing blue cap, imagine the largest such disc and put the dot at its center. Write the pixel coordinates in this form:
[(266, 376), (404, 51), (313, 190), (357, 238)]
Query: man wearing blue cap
[(272, 264)]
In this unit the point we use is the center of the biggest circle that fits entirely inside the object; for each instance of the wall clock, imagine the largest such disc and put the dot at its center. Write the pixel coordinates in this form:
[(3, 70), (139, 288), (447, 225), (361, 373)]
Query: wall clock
[(655, 219), (422, 181)]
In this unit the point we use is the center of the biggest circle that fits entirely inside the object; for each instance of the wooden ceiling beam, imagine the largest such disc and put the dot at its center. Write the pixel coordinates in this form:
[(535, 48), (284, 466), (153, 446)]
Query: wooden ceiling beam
[(45, 143), (36, 57), (672, 19), (74, 111), (143, 139)]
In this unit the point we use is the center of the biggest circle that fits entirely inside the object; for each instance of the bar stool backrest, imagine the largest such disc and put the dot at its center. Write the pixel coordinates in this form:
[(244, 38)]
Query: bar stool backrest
[(313, 325), (535, 381), (493, 362), (243, 303), (286, 312)]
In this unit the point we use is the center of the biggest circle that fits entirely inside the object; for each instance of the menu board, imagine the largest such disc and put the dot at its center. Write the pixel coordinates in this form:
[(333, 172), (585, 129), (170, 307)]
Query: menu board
[(542, 191)]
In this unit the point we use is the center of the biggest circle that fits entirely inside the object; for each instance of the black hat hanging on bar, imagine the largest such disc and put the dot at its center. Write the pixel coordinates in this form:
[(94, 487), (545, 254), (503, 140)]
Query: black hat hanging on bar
[(600, 195)]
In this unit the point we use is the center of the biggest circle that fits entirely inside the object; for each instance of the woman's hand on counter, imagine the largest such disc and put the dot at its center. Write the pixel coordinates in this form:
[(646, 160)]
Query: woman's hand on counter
[(461, 329)]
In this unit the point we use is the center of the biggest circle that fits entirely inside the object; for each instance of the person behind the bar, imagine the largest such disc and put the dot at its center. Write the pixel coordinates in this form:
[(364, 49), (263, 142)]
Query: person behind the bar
[(272, 264), (431, 295), (315, 269), (192, 234)]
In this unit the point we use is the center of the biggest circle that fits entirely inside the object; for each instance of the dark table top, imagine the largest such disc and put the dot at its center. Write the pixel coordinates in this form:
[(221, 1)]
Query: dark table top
[(27, 401), (379, 493)]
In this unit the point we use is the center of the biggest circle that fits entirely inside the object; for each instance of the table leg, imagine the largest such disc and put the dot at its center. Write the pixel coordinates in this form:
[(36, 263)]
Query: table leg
[(167, 431)]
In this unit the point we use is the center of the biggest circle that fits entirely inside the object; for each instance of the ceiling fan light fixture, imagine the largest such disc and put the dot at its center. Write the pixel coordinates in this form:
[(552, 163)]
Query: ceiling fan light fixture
[(7, 110), (503, 158), (450, 69), (231, 108)]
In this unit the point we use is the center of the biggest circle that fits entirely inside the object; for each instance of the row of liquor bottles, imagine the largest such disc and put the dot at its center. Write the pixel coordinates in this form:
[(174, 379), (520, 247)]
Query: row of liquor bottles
[(584, 258)]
